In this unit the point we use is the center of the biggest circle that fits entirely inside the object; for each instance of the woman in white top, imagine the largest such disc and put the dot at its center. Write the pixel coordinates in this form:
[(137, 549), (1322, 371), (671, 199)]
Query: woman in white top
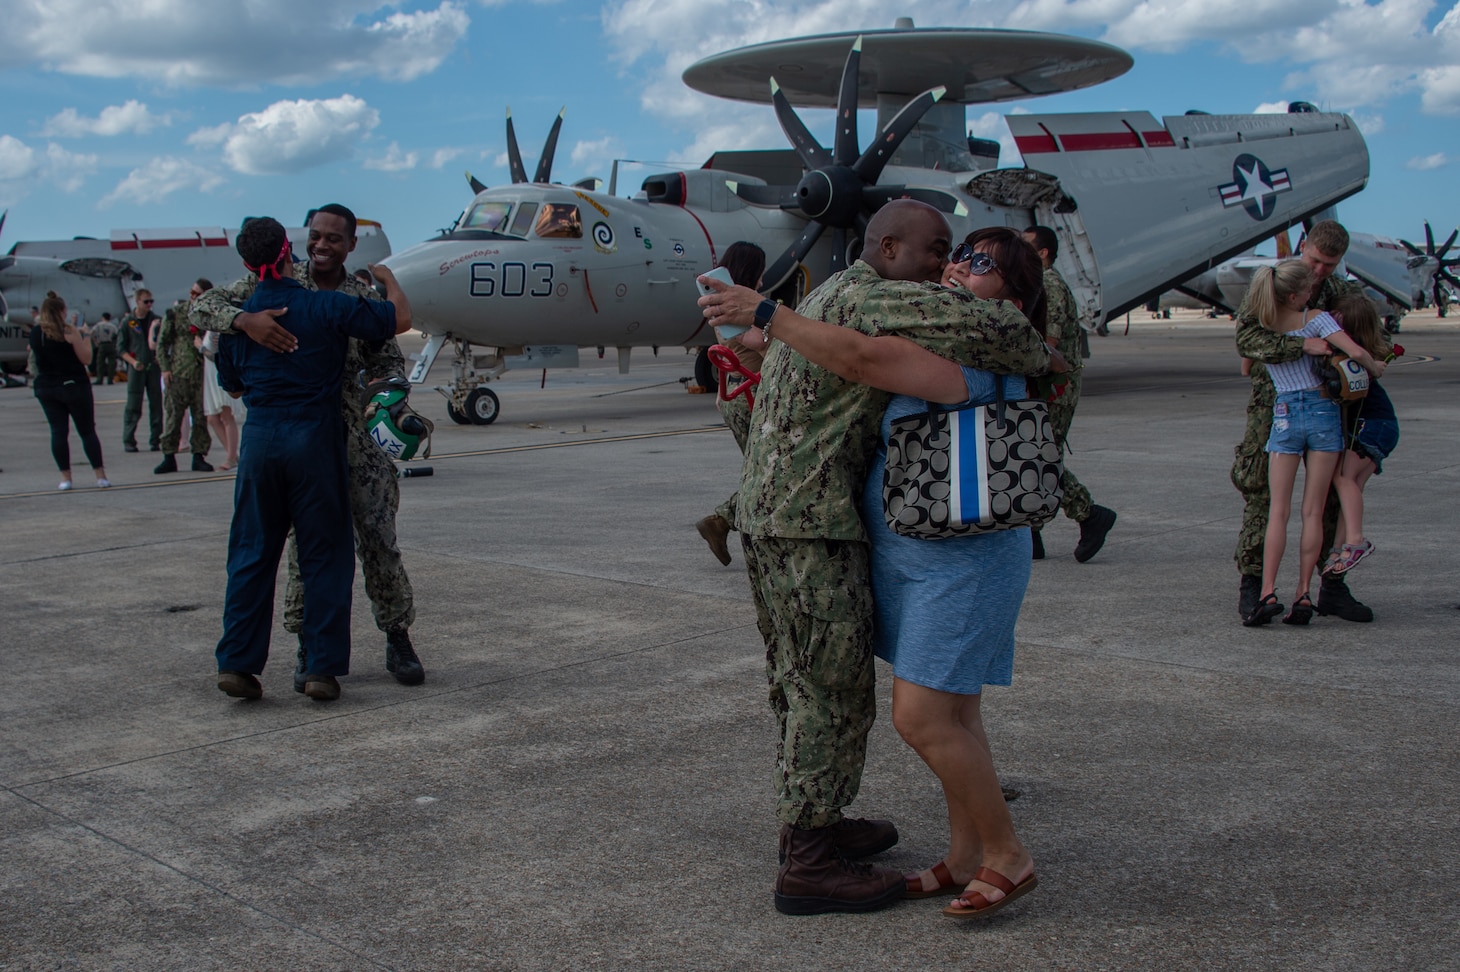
[(1306, 426)]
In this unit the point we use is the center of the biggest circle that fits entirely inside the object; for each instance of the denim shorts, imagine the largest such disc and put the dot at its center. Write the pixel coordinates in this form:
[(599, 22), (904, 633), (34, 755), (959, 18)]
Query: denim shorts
[(1305, 421), (1376, 438)]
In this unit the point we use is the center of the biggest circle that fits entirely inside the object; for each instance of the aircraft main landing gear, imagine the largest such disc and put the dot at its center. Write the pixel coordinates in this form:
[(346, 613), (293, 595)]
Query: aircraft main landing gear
[(481, 408)]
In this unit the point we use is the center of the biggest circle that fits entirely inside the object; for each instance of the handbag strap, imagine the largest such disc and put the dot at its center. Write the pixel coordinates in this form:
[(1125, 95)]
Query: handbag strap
[(935, 409)]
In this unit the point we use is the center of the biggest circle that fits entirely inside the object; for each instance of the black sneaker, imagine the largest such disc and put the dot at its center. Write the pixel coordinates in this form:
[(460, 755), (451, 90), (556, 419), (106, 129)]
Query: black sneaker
[(400, 658), (167, 465), (200, 464), (129, 447), (1093, 530), (1248, 594)]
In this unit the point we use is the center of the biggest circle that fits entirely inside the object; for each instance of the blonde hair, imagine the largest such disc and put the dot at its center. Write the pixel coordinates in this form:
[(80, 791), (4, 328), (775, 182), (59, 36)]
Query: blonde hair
[(1273, 285), (53, 317), (1355, 313)]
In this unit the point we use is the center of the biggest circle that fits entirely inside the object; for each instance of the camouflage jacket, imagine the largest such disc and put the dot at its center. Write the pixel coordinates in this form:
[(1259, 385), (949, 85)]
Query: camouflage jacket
[(215, 311), (1269, 347), (132, 338), (812, 434), (1063, 327), (175, 350)]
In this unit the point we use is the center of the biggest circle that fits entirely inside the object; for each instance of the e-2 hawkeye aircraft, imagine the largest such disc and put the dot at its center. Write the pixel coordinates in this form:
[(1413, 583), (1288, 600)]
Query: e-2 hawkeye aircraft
[(96, 276), (1397, 275), (537, 270)]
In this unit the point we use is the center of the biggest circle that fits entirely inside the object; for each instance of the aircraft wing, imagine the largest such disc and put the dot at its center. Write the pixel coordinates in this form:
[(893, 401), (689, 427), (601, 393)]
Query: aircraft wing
[(1162, 202)]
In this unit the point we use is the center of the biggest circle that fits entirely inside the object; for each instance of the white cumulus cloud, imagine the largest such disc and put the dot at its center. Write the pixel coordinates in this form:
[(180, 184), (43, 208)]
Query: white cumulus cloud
[(68, 169), (291, 136), (132, 117), (1423, 163), (442, 156), (394, 160), (159, 179), (233, 44), (17, 159)]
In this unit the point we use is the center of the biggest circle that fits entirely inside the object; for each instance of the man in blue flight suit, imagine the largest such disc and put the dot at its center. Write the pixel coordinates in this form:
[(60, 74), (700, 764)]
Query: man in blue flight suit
[(292, 468)]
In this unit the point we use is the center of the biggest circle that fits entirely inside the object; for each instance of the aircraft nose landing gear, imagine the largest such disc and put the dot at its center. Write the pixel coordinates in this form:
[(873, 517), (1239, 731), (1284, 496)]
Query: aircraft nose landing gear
[(479, 407)]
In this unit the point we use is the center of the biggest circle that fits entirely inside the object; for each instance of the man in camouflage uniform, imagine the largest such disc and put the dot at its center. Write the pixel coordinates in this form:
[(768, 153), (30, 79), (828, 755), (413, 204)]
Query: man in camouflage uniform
[(1063, 333), (182, 369), (811, 441), (104, 338), (374, 491), (1322, 251), (143, 375)]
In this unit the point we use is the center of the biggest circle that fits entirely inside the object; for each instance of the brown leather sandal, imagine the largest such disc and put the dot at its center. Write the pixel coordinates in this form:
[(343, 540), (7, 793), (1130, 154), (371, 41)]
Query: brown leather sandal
[(940, 873), (982, 906)]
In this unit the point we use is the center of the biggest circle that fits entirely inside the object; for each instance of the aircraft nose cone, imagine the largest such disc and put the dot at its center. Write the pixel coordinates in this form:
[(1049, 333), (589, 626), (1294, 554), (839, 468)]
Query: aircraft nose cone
[(424, 273)]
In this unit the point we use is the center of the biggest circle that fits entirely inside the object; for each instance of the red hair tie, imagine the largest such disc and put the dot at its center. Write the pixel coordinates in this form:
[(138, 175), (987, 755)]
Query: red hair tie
[(272, 269)]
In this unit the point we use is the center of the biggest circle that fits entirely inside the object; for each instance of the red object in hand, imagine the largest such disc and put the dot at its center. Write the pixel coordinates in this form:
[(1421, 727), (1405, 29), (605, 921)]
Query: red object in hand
[(725, 361)]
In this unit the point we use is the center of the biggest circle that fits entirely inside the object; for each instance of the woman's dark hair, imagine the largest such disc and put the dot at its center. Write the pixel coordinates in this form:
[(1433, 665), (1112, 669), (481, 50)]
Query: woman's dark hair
[(1360, 321), (746, 263), (1019, 265), (261, 241)]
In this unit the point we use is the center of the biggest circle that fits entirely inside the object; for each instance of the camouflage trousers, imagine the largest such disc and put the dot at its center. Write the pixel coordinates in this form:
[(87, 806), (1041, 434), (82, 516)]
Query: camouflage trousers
[(813, 603), (736, 414), (374, 499), (1250, 476), (106, 363), (1076, 502), (184, 395)]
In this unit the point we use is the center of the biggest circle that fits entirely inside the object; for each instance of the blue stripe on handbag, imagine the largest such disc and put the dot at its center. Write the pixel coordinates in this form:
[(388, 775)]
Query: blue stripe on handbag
[(972, 469)]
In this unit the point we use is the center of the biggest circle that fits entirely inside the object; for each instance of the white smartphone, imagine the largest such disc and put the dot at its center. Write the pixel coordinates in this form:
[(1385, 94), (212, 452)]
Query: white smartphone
[(721, 274)]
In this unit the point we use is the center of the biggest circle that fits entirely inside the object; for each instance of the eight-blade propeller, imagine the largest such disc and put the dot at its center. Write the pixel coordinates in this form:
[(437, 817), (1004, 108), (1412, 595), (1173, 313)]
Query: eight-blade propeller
[(1443, 266), (839, 190)]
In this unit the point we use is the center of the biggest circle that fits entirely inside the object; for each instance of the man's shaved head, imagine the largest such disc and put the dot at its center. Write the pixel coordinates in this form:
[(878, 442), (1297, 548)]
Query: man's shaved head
[(907, 240)]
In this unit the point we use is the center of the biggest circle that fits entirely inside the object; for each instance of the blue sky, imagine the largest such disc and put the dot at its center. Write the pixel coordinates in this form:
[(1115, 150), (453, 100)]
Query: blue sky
[(180, 113)]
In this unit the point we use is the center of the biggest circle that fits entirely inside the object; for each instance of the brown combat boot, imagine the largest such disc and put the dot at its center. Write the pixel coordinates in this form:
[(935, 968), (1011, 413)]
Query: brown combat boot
[(716, 530), (814, 879), (856, 838)]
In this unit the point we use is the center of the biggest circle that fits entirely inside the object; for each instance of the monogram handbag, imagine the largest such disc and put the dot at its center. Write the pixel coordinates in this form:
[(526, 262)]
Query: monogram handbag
[(952, 472)]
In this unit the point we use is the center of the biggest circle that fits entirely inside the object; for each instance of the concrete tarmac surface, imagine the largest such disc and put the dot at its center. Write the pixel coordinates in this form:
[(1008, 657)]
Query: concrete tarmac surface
[(584, 780)]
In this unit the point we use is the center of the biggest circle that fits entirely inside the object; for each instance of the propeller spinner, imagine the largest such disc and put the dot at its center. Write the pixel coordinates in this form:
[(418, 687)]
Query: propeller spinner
[(839, 191), (1443, 266)]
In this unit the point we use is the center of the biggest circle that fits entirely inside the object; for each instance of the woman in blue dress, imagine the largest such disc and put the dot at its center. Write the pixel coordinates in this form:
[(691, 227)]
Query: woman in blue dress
[(946, 609)]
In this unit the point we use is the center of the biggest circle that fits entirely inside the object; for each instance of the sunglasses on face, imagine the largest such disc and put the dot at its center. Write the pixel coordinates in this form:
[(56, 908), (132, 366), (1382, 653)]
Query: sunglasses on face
[(147, 302), (979, 263)]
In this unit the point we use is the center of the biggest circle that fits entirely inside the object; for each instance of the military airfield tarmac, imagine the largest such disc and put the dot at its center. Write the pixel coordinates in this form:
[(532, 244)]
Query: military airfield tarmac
[(584, 780)]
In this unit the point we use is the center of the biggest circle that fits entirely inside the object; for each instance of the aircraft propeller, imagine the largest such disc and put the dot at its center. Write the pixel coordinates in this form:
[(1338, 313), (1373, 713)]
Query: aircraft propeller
[(839, 190), (1443, 266), (476, 184), (544, 173)]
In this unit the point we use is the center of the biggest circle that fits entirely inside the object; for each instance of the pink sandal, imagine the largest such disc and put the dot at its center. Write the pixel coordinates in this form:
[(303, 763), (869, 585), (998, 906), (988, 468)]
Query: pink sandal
[(1349, 556)]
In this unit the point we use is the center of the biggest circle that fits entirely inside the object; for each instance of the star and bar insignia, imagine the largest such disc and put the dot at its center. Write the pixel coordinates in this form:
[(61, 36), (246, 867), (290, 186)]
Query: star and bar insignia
[(1254, 186)]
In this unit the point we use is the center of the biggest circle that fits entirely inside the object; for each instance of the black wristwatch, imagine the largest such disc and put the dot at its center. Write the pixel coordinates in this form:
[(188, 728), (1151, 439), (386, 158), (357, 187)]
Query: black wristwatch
[(765, 312)]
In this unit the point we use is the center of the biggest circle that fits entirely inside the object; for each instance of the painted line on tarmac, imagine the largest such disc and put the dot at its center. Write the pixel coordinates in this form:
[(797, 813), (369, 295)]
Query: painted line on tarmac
[(115, 487), (504, 450)]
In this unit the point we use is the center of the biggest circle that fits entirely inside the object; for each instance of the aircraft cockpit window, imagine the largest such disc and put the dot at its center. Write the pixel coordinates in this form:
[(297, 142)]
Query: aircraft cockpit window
[(487, 216), (559, 221), (523, 221)]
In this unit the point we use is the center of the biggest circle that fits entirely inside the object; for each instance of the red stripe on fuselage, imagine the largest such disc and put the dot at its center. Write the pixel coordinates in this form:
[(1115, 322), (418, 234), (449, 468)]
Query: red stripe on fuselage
[(1093, 142)]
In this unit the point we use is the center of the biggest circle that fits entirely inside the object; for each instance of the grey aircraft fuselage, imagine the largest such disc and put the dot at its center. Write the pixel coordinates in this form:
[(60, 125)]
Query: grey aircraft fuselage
[(1139, 205)]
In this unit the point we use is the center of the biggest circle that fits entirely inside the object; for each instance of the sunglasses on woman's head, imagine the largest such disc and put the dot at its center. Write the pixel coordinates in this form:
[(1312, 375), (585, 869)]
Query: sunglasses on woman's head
[(979, 262)]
